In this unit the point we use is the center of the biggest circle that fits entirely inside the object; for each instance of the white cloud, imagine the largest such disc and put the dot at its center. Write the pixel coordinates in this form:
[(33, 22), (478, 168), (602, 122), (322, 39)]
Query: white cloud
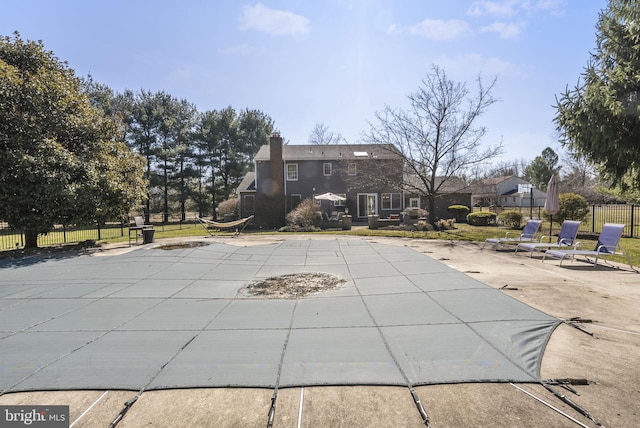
[(508, 8), (496, 8), (273, 21), (506, 31), (435, 29), (463, 65)]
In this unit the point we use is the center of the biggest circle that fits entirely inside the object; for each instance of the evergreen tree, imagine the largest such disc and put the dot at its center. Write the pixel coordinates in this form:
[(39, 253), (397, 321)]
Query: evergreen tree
[(600, 118)]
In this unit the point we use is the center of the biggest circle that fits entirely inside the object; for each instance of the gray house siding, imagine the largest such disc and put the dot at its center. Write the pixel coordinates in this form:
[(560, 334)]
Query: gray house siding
[(378, 176)]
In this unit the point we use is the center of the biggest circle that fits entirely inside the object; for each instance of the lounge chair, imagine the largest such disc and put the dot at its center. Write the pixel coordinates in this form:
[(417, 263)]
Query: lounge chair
[(608, 245), (529, 230), (207, 224), (566, 237)]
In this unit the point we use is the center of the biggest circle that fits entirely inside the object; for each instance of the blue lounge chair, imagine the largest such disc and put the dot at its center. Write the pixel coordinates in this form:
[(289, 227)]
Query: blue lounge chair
[(608, 245), (529, 230), (566, 238)]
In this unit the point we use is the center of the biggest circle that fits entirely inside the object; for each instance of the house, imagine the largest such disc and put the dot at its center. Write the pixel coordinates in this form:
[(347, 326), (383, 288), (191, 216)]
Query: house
[(508, 191), (369, 176), (453, 191)]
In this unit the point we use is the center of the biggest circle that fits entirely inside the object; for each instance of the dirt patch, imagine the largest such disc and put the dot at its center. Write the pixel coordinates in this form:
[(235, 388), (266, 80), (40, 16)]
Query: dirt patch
[(292, 286), (182, 245)]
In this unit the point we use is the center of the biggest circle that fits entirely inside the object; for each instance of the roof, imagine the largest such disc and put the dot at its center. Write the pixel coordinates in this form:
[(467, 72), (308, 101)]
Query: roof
[(493, 180), (248, 183), (294, 152), (451, 185)]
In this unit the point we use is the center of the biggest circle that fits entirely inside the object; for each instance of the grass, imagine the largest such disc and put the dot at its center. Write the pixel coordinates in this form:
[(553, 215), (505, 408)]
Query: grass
[(462, 232)]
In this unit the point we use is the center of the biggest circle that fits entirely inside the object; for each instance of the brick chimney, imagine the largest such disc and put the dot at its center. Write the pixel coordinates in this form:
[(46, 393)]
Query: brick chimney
[(276, 174), (270, 205)]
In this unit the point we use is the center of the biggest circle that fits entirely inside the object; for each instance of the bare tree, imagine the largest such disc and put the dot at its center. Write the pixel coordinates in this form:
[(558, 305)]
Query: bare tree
[(321, 135), (437, 136)]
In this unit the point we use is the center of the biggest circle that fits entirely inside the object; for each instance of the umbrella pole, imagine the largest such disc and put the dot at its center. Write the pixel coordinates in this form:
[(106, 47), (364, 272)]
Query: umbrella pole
[(550, 226)]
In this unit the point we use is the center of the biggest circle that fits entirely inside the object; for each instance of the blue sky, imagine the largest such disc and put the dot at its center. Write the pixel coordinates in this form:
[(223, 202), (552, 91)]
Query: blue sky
[(334, 62)]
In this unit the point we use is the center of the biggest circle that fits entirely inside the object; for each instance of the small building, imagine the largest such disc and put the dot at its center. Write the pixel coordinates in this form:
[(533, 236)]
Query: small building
[(453, 191), (507, 191)]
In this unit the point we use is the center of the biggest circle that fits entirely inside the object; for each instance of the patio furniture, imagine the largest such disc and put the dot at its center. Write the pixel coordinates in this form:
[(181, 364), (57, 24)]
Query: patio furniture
[(527, 234), (210, 224), (608, 245), (140, 229), (566, 238)]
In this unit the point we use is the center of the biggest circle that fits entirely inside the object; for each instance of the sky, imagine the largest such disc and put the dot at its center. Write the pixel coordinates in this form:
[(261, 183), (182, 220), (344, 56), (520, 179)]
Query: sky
[(330, 62)]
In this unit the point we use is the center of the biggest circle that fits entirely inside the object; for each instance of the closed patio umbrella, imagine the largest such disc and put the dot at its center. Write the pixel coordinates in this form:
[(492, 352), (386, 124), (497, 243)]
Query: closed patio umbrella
[(552, 200)]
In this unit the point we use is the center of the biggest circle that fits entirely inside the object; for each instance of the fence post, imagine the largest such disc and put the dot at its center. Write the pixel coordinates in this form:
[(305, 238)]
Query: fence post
[(593, 218), (99, 232), (64, 233), (633, 210)]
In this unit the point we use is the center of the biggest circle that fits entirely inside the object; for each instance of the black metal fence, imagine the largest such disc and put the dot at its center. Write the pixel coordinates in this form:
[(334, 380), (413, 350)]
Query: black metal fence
[(629, 215), (65, 234), (62, 234)]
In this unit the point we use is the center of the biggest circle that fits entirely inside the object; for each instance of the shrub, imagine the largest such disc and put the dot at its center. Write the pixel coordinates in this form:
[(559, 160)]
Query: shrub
[(446, 224), (228, 207), (303, 214), (414, 213), (572, 207), (422, 226), (459, 212), (481, 219), (511, 218)]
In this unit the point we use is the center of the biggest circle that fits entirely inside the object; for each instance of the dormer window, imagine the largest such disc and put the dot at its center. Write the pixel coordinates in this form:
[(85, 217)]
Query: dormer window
[(326, 169)]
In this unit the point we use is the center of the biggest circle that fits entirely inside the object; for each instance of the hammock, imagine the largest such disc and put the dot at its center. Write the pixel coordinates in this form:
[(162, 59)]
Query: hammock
[(209, 224)]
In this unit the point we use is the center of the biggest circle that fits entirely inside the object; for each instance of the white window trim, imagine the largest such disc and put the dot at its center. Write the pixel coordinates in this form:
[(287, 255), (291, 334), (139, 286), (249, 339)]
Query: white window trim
[(414, 202), (324, 169), (391, 206), (290, 177)]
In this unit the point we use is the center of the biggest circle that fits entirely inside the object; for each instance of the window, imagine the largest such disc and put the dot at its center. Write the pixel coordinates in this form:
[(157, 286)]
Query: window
[(292, 172), (414, 202), (295, 200), (341, 203), (248, 204), (326, 169), (391, 201), (351, 169)]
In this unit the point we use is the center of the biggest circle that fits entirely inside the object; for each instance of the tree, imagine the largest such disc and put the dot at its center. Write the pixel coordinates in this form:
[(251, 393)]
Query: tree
[(227, 142), (60, 158), (321, 135), (542, 168), (600, 118), (437, 136)]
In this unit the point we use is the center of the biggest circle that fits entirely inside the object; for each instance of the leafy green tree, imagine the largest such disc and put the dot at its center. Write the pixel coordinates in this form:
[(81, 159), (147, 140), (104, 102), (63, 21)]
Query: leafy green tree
[(600, 118), (542, 168), (60, 158), (572, 207)]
